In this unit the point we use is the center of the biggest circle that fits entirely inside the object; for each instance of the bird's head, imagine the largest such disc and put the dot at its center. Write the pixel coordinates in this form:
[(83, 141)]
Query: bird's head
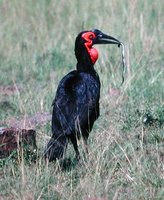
[(84, 50)]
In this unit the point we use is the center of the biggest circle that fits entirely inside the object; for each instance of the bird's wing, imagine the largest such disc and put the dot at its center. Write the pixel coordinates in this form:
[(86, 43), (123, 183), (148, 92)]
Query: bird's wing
[(76, 99), (64, 105)]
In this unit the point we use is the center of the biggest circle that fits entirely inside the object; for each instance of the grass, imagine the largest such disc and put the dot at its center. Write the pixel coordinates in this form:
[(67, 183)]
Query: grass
[(37, 49)]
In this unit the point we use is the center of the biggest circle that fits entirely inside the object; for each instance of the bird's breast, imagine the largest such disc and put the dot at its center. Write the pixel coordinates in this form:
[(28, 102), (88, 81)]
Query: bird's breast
[(90, 84)]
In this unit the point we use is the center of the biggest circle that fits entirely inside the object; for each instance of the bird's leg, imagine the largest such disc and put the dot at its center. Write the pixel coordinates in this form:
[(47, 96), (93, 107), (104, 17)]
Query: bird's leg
[(74, 142)]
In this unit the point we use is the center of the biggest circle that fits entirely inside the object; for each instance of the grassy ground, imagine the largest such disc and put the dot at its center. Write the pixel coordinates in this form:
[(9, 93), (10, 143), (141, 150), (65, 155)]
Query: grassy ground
[(126, 158)]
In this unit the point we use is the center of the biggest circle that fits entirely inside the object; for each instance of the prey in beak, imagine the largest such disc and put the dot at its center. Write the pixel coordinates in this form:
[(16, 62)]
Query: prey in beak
[(102, 38)]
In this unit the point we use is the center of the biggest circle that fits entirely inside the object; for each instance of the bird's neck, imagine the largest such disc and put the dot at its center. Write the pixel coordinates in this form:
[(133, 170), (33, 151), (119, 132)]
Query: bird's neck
[(85, 67), (84, 62)]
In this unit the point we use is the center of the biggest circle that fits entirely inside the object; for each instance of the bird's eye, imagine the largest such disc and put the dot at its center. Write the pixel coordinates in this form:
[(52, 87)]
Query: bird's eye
[(91, 37), (88, 36)]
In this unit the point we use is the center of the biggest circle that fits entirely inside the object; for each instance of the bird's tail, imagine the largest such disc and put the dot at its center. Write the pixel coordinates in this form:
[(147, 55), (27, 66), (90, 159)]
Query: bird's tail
[(55, 148)]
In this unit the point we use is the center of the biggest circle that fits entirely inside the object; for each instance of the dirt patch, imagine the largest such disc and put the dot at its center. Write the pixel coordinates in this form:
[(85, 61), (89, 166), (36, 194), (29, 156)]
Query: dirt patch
[(26, 122), (10, 89)]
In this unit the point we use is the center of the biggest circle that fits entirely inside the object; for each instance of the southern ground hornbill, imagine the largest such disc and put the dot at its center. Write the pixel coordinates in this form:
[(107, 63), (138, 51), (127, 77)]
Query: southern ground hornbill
[(76, 105)]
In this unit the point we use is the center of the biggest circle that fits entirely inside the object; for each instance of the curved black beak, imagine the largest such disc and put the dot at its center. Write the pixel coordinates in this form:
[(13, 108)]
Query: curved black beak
[(102, 38)]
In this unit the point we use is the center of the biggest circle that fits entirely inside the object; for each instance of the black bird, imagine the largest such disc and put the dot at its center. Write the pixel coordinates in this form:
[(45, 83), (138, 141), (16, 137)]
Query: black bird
[(76, 105)]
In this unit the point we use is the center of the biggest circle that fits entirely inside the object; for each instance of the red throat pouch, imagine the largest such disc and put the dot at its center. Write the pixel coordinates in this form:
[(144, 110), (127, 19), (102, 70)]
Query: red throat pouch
[(93, 54)]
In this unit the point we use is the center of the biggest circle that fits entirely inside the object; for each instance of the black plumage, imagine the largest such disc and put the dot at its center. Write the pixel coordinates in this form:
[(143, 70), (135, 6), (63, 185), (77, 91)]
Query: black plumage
[(76, 105)]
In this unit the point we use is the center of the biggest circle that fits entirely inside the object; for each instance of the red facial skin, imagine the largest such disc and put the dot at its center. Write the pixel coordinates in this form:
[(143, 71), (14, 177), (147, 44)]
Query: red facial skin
[(89, 36)]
